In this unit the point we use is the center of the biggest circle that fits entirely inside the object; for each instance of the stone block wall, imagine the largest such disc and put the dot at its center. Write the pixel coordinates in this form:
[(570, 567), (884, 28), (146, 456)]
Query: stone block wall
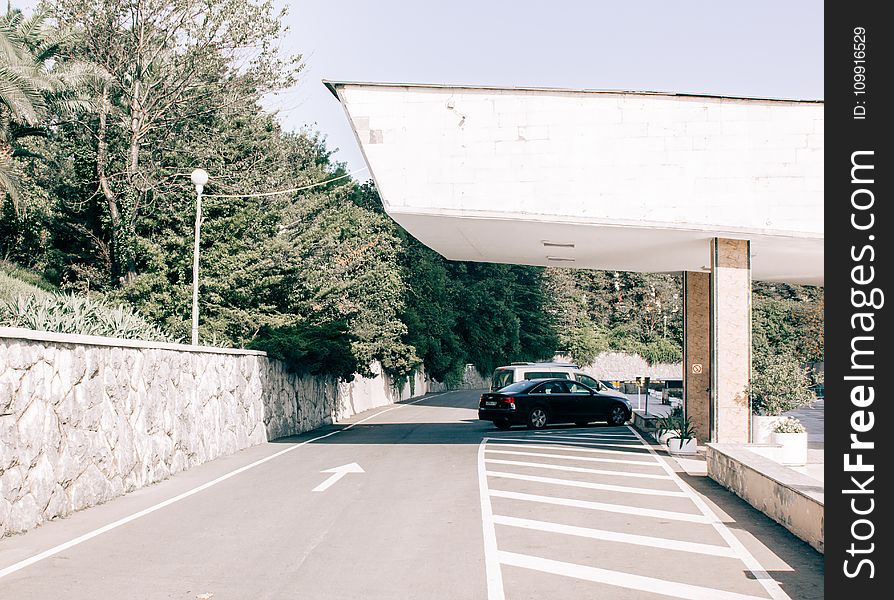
[(84, 419)]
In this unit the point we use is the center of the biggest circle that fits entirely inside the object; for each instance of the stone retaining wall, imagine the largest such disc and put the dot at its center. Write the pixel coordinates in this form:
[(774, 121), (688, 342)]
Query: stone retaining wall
[(84, 419)]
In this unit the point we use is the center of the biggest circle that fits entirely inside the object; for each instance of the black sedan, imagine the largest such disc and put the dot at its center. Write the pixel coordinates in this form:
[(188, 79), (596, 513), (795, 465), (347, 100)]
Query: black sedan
[(540, 401)]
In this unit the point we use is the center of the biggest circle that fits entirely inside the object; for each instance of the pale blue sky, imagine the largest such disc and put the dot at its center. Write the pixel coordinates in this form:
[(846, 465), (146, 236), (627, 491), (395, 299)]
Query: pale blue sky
[(755, 48)]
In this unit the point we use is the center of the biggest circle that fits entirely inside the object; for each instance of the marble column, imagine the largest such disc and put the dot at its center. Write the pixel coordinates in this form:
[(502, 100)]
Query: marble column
[(730, 340), (697, 351)]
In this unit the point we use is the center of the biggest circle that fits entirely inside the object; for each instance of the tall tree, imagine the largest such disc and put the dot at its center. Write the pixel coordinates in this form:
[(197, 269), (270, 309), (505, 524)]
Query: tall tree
[(171, 65)]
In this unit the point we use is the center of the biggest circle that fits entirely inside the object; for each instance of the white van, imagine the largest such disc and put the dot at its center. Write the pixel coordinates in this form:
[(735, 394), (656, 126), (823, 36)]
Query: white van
[(503, 376)]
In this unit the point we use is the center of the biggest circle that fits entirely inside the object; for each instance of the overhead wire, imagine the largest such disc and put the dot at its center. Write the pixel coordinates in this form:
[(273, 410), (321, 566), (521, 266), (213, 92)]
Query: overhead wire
[(288, 191)]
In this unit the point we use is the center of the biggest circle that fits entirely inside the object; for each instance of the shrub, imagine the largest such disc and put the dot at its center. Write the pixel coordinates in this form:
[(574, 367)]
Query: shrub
[(778, 384), (63, 313), (308, 349)]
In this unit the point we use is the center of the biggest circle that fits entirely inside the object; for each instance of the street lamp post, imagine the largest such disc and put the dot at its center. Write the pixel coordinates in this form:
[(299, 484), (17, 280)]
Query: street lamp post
[(199, 178)]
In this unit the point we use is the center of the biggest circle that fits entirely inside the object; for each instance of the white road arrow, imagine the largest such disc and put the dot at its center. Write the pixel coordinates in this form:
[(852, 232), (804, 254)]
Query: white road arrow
[(337, 473)]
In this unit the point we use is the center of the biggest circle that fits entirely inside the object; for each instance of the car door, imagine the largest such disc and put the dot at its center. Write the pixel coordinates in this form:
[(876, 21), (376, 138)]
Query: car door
[(585, 405), (554, 395)]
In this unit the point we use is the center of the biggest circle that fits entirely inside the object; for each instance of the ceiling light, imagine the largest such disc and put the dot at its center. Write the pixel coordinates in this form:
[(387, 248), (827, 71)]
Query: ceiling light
[(549, 244), (559, 259)]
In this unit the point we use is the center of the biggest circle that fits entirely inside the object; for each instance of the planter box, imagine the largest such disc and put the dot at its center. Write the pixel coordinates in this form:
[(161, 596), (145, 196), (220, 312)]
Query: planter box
[(762, 428), (793, 451), (664, 437), (677, 446)]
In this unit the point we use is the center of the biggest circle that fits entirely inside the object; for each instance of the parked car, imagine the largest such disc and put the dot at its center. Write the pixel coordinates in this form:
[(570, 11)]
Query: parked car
[(537, 402), (516, 372)]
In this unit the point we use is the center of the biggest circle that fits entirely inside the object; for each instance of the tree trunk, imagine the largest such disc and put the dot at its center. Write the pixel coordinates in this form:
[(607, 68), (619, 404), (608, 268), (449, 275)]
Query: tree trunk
[(102, 157)]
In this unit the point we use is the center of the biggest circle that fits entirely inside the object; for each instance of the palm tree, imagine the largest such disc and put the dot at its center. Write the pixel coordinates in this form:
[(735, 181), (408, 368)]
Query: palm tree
[(35, 84)]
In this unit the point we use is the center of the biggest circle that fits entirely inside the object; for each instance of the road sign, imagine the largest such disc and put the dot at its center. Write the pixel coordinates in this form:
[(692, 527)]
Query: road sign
[(696, 368)]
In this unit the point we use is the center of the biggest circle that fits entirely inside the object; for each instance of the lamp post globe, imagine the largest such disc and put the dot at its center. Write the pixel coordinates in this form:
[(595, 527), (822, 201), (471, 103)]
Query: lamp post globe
[(199, 178)]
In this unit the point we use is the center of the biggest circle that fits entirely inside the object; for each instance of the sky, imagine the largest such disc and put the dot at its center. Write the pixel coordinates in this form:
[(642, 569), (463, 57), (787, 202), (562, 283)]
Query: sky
[(757, 48)]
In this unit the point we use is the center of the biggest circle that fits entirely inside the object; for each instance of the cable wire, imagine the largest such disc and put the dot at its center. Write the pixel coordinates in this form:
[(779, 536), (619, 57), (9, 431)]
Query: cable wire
[(289, 191)]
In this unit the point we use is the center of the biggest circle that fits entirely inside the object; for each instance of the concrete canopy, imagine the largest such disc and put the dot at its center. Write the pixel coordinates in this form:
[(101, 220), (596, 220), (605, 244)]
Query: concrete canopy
[(626, 181)]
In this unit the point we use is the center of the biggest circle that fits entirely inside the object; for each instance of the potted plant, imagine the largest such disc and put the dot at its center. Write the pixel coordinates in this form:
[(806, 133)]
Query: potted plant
[(792, 437), (667, 425), (682, 440), (779, 384)]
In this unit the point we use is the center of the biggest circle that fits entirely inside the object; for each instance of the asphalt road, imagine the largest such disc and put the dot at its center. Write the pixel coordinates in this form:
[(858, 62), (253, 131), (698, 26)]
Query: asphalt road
[(446, 506)]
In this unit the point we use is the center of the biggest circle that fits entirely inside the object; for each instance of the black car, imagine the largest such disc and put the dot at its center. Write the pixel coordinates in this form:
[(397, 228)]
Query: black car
[(540, 401)]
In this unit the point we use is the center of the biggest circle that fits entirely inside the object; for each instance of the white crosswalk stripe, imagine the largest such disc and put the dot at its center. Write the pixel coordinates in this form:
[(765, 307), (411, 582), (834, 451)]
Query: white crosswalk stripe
[(577, 451), (522, 463)]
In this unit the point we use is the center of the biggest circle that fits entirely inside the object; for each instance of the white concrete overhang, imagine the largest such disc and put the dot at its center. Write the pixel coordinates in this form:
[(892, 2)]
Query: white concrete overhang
[(633, 181)]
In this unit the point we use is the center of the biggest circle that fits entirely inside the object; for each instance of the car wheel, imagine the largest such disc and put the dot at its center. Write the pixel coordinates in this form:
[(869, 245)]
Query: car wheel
[(537, 418), (617, 416), (504, 424)]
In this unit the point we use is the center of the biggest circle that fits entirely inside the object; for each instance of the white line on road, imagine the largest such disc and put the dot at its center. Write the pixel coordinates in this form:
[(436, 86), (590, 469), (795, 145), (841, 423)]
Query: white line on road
[(564, 439), (491, 562), (587, 484), (614, 536), (620, 579), (603, 506), (536, 465), (123, 521), (620, 436), (596, 439), (753, 565), (616, 461), (650, 460)]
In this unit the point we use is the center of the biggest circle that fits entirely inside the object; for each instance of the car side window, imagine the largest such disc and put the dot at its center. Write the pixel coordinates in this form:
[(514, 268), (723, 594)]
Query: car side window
[(551, 387), (586, 380), (560, 375), (576, 388)]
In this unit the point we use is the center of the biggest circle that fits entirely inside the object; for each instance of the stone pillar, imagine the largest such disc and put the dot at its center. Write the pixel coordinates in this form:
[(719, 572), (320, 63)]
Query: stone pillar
[(730, 340), (697, 351)]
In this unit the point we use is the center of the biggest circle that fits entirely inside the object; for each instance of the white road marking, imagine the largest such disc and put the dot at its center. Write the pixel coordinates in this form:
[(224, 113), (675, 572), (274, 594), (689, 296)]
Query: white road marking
[(602, 506), (491, 561), (594, 437), (614, 536), (573, 433), (337, 473), (620, 579), (522, 463), (565, 439), (125, 520), (587, 484), (617, 461), (569, 448), (753, 565)]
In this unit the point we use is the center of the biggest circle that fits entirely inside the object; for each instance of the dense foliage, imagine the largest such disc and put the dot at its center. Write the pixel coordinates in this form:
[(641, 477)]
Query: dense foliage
[(106, 106)]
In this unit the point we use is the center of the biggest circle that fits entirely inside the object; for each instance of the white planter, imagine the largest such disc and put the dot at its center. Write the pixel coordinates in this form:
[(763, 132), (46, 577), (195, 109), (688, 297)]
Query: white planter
[(794, 448), (762, 428), (662, 439), (676, 446)]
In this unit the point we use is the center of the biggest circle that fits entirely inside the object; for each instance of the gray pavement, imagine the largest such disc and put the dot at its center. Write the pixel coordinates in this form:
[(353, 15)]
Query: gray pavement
[(446, 507)]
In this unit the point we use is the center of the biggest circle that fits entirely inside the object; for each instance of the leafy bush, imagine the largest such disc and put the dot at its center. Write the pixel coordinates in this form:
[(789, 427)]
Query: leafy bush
[(789, 425), (662, 350), (308, 349), (778, 384), (63, 313)]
